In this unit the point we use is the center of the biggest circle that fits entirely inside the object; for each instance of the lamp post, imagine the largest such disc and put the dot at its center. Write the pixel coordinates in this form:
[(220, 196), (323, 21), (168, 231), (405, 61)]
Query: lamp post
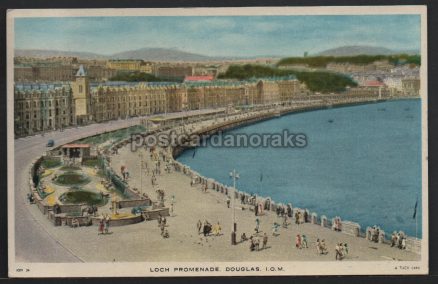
[(234, 175), (141, 173)]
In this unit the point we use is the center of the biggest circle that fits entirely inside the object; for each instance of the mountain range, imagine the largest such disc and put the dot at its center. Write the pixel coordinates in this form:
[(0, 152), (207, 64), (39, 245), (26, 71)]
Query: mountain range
[(172, 54), (147, 54), (354, 50)]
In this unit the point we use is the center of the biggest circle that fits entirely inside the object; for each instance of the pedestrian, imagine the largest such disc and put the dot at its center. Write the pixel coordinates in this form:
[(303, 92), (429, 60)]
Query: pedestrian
[(323, 247), (275, 229), (159, 219), (165, 234), (199, 226), (207, 228), (257, 225), (243, 237), (338, 255), (256, 244), (304, 242), (162, 227), (218, 229), (285, 221), (228, 201), (265, 241), (122, 171), (298, 241), (106, 224), (393, 239), (101, 226), (346, 248)]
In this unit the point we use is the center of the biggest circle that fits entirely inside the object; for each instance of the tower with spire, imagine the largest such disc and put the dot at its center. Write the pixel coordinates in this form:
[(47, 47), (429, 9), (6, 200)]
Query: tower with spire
[(81, 96)]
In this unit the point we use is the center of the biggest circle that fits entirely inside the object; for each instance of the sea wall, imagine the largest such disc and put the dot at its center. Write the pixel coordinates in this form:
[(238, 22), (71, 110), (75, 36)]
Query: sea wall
[(343, 226)]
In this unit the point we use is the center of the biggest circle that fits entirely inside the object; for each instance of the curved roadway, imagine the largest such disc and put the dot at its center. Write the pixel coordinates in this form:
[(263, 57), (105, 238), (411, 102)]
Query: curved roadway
[(33, 243)]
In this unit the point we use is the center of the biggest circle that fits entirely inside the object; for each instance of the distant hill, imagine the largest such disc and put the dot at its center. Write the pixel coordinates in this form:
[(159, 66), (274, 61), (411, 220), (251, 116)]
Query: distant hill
[(363, 50), (148, 54), (55, 53), (161, 54)]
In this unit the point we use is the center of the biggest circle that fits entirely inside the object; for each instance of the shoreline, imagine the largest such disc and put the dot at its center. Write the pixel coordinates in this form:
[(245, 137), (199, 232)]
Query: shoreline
[(362, 231), (177, 186)]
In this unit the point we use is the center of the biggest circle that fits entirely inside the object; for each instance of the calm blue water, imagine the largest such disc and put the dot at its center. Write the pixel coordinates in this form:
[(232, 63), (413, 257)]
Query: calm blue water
[(365, 166)]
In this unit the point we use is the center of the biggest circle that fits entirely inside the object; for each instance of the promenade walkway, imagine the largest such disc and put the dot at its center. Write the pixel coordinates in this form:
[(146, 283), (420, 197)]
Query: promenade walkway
[(143, 242)]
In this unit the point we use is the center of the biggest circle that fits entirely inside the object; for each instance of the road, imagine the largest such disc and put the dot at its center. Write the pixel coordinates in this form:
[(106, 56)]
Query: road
[(32, 239)]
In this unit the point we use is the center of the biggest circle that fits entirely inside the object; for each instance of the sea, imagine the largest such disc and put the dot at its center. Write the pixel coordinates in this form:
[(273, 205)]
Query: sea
[(361, 162)]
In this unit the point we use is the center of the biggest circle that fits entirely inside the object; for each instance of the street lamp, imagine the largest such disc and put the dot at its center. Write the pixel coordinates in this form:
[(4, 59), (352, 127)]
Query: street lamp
[(234, 175), (141, 173)]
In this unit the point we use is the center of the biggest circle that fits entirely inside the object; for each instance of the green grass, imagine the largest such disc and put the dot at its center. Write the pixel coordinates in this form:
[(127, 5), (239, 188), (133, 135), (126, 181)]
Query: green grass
[(70, 168), (83, 196), (91, 163), (51, 163), (71, 178)]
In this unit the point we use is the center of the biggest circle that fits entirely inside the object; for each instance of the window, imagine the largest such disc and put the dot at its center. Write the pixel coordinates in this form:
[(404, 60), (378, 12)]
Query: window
[(80, 88)]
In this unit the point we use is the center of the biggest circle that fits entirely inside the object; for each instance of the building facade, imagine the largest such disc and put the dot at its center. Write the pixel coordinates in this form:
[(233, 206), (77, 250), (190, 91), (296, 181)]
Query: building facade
[(43, 107)]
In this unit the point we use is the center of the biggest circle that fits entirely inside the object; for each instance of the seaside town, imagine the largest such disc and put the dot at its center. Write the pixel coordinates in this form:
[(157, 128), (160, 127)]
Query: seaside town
[(60, 92), (104, 202)]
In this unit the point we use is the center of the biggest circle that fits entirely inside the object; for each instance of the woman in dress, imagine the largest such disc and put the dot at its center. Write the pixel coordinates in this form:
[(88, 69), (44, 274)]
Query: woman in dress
[(100, 226), (298, 241)]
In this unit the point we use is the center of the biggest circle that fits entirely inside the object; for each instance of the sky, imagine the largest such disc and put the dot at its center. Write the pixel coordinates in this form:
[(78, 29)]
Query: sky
[(218, 35)]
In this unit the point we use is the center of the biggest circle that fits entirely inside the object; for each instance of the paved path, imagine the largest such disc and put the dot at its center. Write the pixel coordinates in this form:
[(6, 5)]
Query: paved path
[(37, 240), (34, 241)]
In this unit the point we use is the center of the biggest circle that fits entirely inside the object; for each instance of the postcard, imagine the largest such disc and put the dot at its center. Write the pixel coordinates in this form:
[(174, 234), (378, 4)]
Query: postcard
[(217, 141)]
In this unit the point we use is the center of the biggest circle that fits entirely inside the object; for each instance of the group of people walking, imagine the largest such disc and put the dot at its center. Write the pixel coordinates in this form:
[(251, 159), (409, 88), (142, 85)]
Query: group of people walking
[(398, 240), (162, 223), (341, 251), (206, 228), (255, 242), (301, 241), (104, 224)]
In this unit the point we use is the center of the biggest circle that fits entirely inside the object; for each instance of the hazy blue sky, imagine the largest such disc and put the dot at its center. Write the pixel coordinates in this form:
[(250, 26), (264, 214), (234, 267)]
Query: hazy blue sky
[(220, 36)]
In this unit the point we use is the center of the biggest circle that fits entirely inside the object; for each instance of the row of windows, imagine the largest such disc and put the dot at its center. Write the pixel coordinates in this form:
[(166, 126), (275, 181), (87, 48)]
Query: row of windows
[(41, 103)]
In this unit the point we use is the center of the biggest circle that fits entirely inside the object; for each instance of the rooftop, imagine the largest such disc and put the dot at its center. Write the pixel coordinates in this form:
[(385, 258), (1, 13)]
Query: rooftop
[(41, 86), (199, 78), (81, 72)]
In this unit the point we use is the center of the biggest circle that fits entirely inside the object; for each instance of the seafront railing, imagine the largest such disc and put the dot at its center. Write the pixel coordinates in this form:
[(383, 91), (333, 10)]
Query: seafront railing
[(248, 201), (351, 228)]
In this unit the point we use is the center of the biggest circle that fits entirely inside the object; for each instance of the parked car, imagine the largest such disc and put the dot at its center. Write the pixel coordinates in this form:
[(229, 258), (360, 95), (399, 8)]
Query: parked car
[(50, 143)]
